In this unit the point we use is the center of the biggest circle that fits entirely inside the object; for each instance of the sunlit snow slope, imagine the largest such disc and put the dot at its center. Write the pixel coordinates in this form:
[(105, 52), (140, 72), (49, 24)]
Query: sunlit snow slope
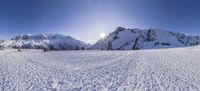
[(137, 39), (143, 70)]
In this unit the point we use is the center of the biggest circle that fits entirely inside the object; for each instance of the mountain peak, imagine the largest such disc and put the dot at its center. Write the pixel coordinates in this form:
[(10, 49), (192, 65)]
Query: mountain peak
[(131, 39), (52, 41)]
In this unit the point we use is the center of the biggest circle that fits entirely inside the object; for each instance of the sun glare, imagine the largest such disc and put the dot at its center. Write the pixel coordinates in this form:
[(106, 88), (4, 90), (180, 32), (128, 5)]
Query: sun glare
[(102, 35)]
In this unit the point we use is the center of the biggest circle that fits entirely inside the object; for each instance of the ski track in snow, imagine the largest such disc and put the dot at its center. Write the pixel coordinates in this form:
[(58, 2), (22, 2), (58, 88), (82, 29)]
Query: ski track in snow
[(144, 70)]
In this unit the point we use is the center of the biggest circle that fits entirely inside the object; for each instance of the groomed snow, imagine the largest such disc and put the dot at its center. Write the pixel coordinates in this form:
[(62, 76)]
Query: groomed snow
[(144, 70)]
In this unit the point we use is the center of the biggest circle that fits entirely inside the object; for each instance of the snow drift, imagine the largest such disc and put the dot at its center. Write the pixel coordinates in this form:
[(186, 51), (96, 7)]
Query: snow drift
[(134, 39)]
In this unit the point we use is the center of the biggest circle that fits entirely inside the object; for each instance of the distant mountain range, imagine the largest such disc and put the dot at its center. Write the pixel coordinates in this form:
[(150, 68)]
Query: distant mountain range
[(135, 39), (120, 39), (51, 41)]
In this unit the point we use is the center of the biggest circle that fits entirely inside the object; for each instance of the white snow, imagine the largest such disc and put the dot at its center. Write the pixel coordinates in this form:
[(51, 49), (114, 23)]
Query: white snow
[(51, 41), (176, 69), (131, 39)]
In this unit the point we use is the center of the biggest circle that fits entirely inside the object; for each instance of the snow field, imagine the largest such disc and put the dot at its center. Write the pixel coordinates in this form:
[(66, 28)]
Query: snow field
[(176, 69)]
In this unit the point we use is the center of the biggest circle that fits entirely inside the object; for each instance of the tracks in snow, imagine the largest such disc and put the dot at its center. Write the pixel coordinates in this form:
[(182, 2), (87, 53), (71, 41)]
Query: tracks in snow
[(150, 70)]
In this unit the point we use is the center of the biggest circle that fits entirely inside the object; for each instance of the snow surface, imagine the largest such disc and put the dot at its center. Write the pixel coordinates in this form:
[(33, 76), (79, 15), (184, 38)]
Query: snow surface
[(142, 70)]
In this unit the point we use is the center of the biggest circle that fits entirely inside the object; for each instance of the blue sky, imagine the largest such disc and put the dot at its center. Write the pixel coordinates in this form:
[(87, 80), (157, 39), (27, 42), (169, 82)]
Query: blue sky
[(86, 19)]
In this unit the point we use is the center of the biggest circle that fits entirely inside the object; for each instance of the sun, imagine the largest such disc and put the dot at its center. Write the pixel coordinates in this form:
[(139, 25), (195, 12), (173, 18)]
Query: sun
[(102, 35)]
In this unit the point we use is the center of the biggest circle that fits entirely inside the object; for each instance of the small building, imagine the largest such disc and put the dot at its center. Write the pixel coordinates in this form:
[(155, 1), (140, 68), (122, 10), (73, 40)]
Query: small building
[(18, 49), (45, 49), (1, 47)]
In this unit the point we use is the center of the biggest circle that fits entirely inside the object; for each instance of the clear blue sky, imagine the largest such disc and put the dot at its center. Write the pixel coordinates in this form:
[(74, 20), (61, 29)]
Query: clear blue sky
[(86, 19)]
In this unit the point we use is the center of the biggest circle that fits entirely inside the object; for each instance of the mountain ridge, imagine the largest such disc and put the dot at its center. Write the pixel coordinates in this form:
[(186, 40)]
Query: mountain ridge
[(120, 39), (135, 39), (51, 41)]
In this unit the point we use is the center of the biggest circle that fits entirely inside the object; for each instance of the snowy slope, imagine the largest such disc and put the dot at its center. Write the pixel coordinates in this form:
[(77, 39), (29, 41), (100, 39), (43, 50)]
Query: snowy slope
[(143, 70), (51, 41), (128, 39), (1, 41)]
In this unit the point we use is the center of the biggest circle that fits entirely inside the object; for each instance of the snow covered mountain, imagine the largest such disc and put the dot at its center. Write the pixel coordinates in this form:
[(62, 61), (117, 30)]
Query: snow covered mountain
[(51, 41), (134, 39), (1, 41)]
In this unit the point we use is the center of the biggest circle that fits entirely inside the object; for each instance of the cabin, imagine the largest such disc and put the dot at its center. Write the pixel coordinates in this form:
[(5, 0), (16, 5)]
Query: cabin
[(45, 49), (1, 47), (18, 49)]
